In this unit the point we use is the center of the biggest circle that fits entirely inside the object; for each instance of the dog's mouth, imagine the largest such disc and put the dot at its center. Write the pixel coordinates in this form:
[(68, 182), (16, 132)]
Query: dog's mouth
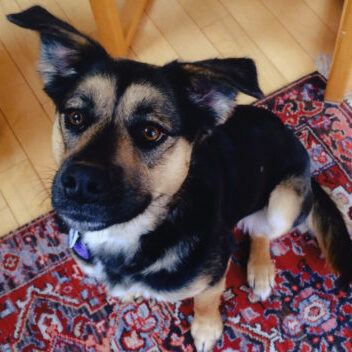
[(95, 217), (81, 222), (84, 226)]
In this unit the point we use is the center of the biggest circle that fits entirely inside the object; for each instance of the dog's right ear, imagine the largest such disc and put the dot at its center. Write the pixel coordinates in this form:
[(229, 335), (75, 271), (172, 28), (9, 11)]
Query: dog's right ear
[(64, 51)]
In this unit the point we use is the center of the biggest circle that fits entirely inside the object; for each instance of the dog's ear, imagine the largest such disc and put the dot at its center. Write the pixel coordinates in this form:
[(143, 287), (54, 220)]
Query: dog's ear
[(64, 50), (213, 84)]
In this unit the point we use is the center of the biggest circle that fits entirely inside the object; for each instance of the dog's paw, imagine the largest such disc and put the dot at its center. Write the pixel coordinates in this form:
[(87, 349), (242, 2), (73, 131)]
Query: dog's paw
[(206, 332), (261, 278), (128, 298)]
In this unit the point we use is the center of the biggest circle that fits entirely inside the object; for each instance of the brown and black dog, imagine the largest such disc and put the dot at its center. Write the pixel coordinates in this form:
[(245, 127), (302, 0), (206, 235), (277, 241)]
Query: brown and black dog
[(158, 164)]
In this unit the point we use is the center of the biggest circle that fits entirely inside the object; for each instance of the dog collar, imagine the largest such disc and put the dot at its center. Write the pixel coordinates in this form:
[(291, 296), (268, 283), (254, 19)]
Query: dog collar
[(74, 242)]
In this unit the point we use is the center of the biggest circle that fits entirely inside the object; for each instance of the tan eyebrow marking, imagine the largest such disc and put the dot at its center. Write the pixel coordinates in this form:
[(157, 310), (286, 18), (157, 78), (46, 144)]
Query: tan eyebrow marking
[(144, 94), (100, 89)]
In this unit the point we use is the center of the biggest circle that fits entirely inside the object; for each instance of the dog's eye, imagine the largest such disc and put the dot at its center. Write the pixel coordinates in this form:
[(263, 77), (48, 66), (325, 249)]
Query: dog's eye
[(148, 135), (152, 133), (76, 118)]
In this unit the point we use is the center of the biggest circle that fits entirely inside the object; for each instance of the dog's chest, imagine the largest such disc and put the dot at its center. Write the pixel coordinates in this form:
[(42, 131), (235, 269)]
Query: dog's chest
[(126, 270), (110, 257), (104, 244)]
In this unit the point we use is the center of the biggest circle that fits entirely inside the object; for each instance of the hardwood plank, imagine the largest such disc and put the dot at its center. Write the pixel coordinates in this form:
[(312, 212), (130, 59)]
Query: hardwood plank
[(150, 45), (23, 48), (304, 25), (11, 152), (204, 12), (7, 220), (231, 40), (271, 37), (79, 14), (180, 31), (31, 126), (9, 73), (24, 114), (329, 11), (26, 199), (132, 55), (50, 109), (51, 5)]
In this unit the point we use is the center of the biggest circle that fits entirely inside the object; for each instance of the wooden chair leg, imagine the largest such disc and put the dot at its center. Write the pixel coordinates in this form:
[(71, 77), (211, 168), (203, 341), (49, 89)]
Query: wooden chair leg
[(134, 9), (341, 68), (109, 26)]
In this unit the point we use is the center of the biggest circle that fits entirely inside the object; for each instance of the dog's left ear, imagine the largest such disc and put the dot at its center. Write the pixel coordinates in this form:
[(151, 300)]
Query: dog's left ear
[(213, 84), (64, 51)]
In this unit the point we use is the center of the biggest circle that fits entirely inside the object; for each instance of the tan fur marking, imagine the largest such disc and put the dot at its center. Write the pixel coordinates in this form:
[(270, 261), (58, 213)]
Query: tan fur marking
[(129, 159), (278, 217), (324, 242), (80, 40), (85, 138), (207, 325), (260, 269), (125, 153), (284, 206), (168, 176), (268, 223), (74, 103), (58, 148), (102, 90), (199, 70), (142, 93)]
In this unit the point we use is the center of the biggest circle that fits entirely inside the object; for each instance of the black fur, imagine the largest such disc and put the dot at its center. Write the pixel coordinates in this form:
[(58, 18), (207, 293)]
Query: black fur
[(224, 185), (329, 224)]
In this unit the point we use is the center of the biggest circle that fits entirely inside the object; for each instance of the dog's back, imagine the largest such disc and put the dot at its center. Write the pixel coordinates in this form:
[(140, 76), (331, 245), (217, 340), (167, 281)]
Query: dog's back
[(254, 152)]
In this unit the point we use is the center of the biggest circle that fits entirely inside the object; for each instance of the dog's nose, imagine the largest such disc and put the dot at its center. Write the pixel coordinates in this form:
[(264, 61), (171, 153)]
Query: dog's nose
[(85, 183)]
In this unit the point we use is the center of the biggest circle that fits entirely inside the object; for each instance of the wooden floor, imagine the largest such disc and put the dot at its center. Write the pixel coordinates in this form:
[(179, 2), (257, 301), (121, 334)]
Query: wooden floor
[(283, 36)]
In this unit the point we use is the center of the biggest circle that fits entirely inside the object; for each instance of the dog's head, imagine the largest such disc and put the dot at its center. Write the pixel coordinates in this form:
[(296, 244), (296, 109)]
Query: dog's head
[(125, 130)]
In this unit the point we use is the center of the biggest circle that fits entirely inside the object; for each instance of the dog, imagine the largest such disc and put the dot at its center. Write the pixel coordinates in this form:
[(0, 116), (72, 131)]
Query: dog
[(157, 164)]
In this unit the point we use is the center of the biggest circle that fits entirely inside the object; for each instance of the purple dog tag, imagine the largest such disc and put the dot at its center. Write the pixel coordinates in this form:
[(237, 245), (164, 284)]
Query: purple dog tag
[(77, 246), (81, 250)]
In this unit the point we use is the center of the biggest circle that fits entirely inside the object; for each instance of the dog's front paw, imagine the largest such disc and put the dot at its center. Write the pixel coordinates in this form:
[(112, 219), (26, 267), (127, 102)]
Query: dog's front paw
[(206, 332), (128, 298), (261, 278)]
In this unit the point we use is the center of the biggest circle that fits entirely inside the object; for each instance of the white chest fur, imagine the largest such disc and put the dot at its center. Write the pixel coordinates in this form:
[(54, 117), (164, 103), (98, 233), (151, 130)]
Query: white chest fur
[(125, 237)]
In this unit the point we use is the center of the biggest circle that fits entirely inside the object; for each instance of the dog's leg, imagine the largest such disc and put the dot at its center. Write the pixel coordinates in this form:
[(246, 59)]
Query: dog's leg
[(260, 269), (207, 323), (276, 219)]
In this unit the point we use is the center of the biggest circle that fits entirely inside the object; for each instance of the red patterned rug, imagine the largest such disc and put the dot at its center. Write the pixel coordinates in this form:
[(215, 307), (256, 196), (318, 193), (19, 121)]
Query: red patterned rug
[(46, 304)]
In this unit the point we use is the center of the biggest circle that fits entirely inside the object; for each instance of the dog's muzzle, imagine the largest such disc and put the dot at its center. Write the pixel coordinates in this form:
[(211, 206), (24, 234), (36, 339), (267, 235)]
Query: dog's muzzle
[(93, 197)]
